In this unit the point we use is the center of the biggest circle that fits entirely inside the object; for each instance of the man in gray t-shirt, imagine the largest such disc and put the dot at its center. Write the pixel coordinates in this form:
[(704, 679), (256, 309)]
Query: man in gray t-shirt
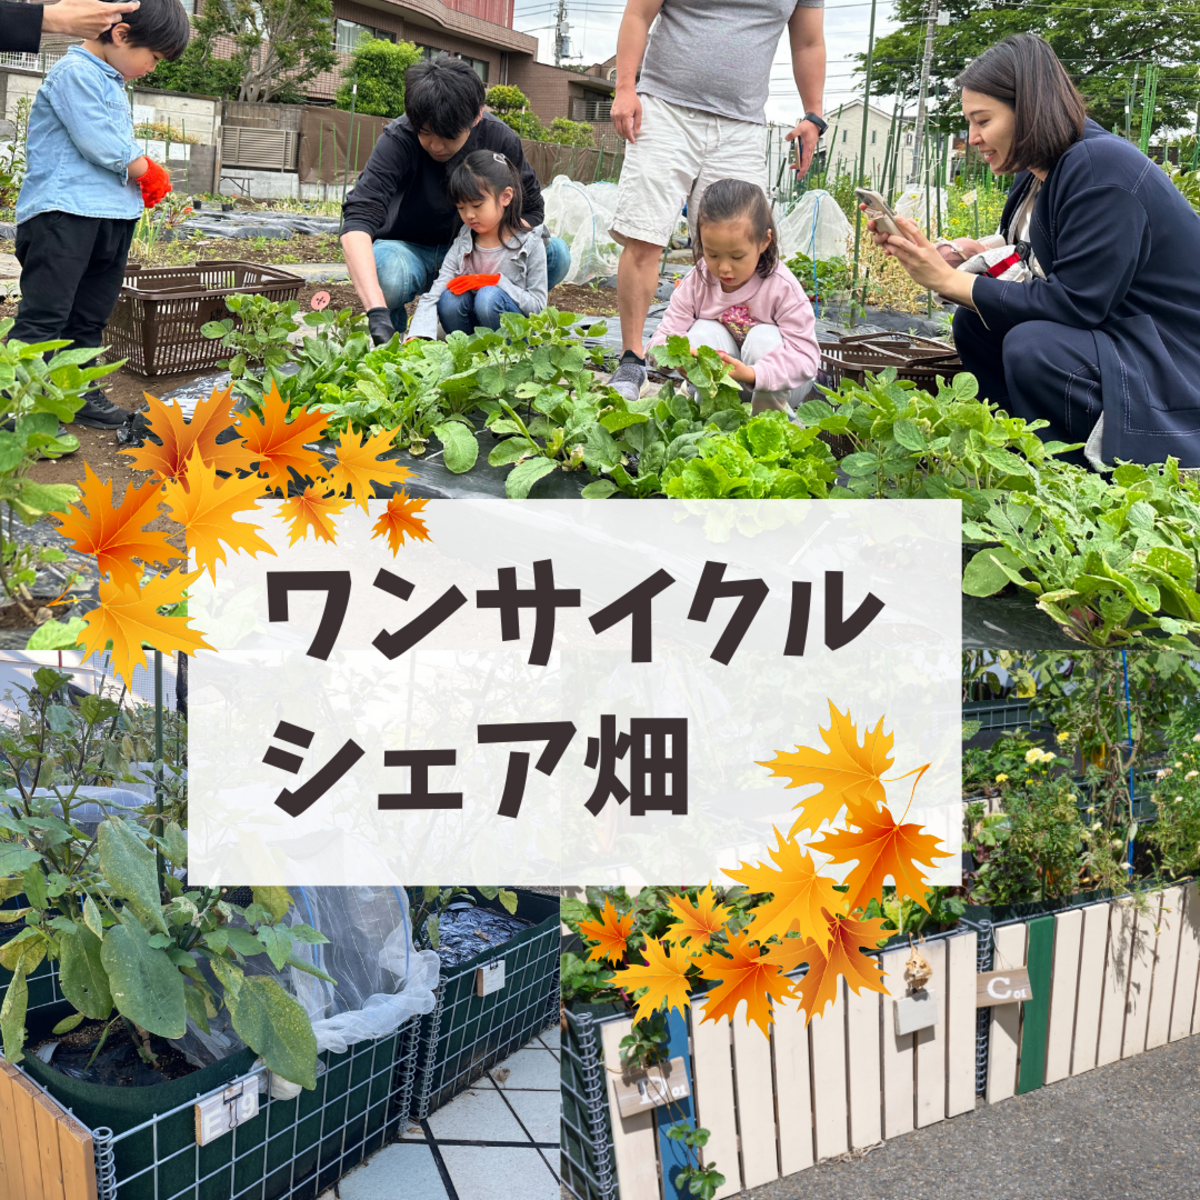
[(696, 115)]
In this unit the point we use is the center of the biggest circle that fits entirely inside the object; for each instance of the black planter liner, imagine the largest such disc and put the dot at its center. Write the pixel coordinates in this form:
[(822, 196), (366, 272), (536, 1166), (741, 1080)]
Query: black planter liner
[(465, 1034), (357, 1106)]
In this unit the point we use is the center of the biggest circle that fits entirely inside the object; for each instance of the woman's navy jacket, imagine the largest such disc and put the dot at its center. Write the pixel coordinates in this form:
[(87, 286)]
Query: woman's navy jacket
[(1121, 250)]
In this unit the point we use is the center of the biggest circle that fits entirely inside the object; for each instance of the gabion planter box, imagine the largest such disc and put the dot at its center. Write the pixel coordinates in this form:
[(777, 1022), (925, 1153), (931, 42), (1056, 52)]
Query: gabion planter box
[(466, 1033), (145, 1139)]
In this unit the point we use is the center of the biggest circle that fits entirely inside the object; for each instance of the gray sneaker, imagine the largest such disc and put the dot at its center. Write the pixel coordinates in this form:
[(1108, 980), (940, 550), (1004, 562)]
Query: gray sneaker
[(629, 380)]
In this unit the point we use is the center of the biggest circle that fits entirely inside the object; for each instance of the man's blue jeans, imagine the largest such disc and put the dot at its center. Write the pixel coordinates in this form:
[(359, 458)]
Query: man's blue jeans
[(406, 269), (467, 312)]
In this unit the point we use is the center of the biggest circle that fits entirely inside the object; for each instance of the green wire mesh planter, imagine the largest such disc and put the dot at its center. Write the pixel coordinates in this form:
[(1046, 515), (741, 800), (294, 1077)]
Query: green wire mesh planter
[(587, 1168), (467, 1033), (145, 1138)]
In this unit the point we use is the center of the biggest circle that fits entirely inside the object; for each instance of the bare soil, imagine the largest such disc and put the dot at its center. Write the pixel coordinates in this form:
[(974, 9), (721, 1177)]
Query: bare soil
[(118, 1064)]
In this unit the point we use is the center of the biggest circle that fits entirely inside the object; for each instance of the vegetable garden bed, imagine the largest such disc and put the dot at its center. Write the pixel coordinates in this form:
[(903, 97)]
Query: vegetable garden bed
[(472, 1028), (1061, 554), (1109, 983)]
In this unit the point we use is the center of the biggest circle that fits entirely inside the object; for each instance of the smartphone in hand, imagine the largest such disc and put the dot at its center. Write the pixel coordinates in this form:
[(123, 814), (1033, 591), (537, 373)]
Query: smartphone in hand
[(879, 211)]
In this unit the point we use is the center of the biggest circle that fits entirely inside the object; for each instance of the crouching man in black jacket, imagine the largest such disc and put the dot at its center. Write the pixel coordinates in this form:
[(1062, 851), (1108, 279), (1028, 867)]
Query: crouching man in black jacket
[(398, 222)]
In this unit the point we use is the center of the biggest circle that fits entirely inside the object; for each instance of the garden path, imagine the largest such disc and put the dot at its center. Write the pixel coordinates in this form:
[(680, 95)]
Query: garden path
[(496, 1141)]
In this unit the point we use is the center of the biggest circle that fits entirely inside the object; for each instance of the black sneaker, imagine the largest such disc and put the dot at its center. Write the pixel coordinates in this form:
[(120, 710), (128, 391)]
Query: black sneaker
[(99, 412)]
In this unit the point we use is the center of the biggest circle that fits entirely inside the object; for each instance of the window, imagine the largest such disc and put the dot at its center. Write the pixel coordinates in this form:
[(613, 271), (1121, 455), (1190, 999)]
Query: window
[(478, 65), (908, 139), (612, 75), (349, 32), (844, 132), (873, 137)]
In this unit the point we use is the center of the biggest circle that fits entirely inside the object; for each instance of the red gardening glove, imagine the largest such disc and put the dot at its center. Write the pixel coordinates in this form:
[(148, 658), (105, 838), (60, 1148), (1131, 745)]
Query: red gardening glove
[(155, 183), (471, 283)]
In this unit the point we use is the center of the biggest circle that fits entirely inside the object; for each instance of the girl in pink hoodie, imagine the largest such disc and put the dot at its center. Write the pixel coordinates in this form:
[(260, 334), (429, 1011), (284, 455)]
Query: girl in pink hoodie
[(743, 302)]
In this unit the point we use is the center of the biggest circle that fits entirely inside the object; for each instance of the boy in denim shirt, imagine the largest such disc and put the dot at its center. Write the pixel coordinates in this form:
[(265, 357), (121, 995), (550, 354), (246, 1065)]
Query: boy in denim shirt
[(86, 185)]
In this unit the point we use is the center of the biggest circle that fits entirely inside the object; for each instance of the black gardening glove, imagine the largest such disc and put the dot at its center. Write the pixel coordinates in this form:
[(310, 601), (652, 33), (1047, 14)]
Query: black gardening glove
[(379, 323)]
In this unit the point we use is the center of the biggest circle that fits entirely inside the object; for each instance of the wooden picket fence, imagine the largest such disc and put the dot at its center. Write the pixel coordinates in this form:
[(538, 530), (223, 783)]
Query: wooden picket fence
[(45, 1154), (1108, 983)]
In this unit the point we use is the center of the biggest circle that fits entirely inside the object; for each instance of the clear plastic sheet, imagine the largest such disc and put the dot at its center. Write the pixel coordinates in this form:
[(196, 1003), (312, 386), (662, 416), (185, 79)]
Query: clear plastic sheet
[(814, 226), (581, 215), (912, 203), (382, 978)]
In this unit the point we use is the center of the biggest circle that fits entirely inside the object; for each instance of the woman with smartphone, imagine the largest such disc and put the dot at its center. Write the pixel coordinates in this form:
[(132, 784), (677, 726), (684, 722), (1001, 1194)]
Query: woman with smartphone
[(1101, 336)]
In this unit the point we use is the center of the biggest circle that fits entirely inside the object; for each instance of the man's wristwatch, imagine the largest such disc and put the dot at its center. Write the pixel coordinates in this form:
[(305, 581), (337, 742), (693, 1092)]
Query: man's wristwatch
[(813, 119)]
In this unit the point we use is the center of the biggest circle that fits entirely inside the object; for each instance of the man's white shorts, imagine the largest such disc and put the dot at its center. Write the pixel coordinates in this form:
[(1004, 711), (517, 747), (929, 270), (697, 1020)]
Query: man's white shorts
[(678, 153)]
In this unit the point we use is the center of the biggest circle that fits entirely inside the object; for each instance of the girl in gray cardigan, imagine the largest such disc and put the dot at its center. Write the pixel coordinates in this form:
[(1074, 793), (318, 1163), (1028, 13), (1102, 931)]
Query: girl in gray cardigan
[(495, 265)]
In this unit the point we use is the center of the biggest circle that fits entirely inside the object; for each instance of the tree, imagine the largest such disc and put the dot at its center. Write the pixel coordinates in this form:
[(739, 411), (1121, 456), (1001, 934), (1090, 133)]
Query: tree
[(571, 133), (279, 45), (379, 67), (196, 70), (1100, 48)]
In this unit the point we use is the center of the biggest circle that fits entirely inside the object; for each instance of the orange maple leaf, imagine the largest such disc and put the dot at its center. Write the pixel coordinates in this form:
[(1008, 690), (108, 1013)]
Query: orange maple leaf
[(116, 535), (881, 848), (180, 437), (311, 510), (277, 444), (358, 465), (206, 508), (400, 520), (849, 773), (611, 932), (747, 974), (842, 956), (665, 978), (700, 920), (798, 892), (128, 617)]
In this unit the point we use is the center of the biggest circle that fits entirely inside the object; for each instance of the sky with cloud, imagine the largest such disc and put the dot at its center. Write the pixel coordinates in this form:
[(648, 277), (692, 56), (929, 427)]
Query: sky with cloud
[(593, 35)]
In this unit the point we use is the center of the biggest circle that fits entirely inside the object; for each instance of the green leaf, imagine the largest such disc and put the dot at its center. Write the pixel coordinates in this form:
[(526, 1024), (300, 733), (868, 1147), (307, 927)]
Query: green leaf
[(82, 975), (92, 918), (278, 943), (509, 900), (459, 447), (984, 576), (146, 985), (244, 942), (525, 474), (14, 859), (908, 434), (309, 969), (600, 490), (193, 999), (56, 635), (67, 1023), (35, 886), (177, 845), (130, 868), (46, 497), (511, 450), (12, 1015), (276, 900), (271, 1023)]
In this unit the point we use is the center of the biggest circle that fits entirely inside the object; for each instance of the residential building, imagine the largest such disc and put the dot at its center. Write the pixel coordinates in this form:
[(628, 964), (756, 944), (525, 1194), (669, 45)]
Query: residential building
[(842, 142)]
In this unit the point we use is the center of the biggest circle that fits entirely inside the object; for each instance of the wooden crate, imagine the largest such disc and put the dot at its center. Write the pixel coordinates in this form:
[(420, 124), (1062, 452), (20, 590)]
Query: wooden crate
[(45, 1154)]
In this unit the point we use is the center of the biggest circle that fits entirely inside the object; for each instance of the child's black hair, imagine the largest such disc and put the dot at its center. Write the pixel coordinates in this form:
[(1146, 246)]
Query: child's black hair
[(443, 95), (160, 25), (729, 200), (489, 172)]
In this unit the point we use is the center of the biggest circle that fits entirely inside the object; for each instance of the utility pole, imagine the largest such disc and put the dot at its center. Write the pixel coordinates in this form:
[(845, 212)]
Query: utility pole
[(926, 64), (561, 42)]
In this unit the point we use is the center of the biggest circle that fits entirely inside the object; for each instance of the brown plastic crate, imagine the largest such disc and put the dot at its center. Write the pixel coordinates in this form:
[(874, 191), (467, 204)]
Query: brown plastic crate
[(161, 310), (920, 359)]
